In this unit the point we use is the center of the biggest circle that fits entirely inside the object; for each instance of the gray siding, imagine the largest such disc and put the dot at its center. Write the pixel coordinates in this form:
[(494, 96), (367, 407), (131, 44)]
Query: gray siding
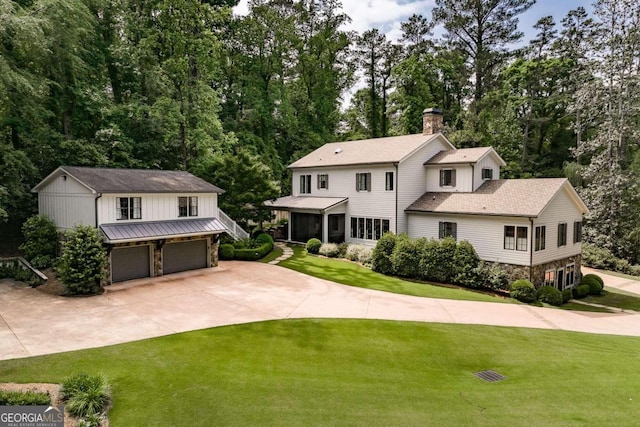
[(67, 203)]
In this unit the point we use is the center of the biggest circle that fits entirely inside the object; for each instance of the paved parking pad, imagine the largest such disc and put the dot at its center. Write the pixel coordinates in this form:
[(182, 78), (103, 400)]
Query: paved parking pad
[(34, 323)]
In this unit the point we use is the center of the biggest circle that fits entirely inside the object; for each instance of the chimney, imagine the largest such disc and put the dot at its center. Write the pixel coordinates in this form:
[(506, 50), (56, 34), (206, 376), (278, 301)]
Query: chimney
[(432, 121)]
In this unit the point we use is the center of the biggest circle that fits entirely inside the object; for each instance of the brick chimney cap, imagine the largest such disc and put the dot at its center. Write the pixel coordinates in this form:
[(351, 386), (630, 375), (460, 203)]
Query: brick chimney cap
[(432, 111)]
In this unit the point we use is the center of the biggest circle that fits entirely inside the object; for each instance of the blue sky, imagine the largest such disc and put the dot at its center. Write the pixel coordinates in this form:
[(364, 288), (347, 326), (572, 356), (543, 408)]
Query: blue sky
[(387, 15)]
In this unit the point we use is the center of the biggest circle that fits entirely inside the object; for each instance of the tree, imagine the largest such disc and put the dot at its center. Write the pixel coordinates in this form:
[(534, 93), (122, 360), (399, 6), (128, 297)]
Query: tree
[(40, 245), (81, 265), (483, 29), (370, 53)]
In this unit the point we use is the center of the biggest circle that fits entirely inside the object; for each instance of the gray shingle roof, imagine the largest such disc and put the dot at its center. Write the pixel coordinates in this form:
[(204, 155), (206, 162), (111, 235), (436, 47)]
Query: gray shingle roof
[(113, 180), (504, 197), (367, 151), (462, 155), (137, 231), (305, 202)]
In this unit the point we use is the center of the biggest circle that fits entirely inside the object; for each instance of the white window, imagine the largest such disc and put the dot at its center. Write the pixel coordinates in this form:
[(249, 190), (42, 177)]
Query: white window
[(323, 181), (448, 229), (570, 273), (305, 184), (540, 242), (550, 278), (388, 181), (368, 228), (521, 238), (515, 238), (363, 181), (188, 206), (487, 173), (129, 208), (447, 178)]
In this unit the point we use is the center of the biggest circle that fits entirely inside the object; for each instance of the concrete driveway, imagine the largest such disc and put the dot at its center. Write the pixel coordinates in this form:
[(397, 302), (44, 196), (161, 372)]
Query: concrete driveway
[(34, 323)]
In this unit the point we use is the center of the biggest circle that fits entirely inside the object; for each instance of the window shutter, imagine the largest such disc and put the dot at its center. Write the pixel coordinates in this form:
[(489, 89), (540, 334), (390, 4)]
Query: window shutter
[(368, 181), (453, 178), (441, 179), (318, 181), (559, 235), (454, 230), (441, 230), (326, 183), (301, 183), (357, 182)]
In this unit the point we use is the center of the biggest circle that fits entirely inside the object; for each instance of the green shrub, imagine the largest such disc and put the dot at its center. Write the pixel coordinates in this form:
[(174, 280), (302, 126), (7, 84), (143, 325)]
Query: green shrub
[(523, 290), (567, 294), (81, 265), (40, 240), (24, 398), (313, 246), (596, 257), (581, 291), (550, 295), (85, 394), (465, 262), (429, 261), (444, 255), (492, 276), (595, 288), (342, 249), (225, 251), (406, 256), (92, 420), (330, 250), (381, 255), (594, 277), (264, 238)]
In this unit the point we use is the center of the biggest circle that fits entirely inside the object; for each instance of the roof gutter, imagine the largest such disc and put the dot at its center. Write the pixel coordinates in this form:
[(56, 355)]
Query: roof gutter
[(531, 251)]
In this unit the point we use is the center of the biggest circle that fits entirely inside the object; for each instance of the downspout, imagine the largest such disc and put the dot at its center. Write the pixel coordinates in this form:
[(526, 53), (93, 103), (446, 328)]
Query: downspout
[(396, 187), (96, 208), (531, 251)]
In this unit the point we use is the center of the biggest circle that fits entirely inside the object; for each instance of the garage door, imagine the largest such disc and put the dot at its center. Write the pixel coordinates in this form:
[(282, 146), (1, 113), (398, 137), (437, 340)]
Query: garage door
[(182, 256), (130, 263)]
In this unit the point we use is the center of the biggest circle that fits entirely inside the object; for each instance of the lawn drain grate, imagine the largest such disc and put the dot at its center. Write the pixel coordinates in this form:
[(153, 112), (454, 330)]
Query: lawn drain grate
[(490, 376)]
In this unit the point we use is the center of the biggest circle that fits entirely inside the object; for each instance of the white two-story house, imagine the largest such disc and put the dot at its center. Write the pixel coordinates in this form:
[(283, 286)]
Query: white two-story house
[(422, 185), (154, 222)]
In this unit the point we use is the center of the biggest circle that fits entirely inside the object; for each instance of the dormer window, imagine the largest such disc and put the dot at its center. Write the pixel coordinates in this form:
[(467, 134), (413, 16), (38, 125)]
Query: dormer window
[(447, 177), (487, 173)]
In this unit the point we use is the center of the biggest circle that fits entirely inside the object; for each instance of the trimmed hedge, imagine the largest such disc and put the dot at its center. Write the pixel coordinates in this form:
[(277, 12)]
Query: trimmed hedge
[(567, 294), (252, 254), (381, 255), (595, 288), (523, 290), (313, 246), (550, 295), (594, 277), (581, 291), (226, 251)]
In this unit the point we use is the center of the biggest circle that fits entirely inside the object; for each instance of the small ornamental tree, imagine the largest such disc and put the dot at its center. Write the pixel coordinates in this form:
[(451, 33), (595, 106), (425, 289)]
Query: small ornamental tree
[(82, 262), (40, 245)]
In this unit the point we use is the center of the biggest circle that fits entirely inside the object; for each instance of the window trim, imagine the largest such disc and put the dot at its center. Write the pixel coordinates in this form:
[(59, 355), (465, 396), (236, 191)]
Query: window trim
[(388, 181), (488, 175), (514, 241), (552, 280), (366, 182), (368, 228), (562, 234), (190, 206), (133, 212), (447, 229), (305, 184), (451, 182), (540, 241), (323, 178)]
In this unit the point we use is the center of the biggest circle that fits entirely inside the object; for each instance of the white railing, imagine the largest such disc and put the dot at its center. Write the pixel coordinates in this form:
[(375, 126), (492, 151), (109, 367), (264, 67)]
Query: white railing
[(232, 227)]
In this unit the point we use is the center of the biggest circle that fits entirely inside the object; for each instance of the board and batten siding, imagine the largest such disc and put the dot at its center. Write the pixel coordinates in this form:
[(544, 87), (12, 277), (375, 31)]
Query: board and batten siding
[(487, 162), (485, 233), (67, 203), (411, 182), (157, 206), (464, 176), (560, 209)]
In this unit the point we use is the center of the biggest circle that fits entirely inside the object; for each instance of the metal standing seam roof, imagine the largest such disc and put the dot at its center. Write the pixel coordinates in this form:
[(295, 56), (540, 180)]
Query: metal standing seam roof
[(462, 155), (115, 180), (502, 197), (305, 202), (136, 231), (366, 151)]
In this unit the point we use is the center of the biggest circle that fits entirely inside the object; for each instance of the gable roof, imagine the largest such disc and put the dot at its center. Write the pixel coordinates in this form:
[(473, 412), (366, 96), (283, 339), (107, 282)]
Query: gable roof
[(502, 197), (391, 149), (464, 155), (114, 180)]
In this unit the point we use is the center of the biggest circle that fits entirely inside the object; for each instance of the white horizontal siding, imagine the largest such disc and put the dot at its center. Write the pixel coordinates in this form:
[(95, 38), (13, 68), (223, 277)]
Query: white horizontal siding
[(487, 162), (157, 207), (67, 203), (412, 179), (485, 233), (560, 209), (464, 175)]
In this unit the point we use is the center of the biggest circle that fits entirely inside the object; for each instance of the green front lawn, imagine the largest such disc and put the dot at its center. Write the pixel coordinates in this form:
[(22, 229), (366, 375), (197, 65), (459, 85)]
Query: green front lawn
[(352, 274), (612, 297), (275, 253), (359, 373)]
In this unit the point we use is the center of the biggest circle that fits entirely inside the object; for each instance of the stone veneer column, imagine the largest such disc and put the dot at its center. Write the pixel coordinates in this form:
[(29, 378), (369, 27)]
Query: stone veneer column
[(157, 260), (215, 243)]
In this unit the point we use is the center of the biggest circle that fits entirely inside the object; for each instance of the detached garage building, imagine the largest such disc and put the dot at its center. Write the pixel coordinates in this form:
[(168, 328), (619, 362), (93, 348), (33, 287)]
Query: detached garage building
[(154, 222)]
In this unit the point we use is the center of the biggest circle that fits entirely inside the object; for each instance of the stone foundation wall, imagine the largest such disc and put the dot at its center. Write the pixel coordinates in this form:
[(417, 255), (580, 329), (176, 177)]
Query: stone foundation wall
[(539, 270)]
